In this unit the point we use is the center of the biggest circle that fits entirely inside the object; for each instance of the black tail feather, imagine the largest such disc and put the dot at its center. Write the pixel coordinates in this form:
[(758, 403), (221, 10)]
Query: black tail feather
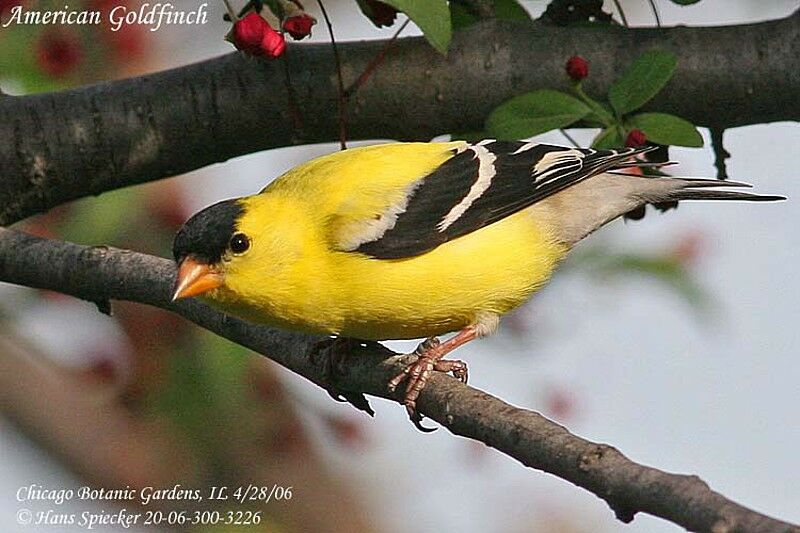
[(705, 194), (701, 189)]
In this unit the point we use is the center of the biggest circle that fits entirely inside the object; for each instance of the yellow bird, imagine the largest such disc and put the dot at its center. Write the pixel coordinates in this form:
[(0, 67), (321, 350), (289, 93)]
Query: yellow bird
[(413, 240)]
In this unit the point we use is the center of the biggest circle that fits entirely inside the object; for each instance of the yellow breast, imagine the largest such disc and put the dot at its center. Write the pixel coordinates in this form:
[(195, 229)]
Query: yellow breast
[(318, 290)]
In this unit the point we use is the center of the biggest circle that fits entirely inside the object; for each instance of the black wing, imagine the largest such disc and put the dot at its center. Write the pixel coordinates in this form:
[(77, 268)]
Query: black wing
[(481, 184)]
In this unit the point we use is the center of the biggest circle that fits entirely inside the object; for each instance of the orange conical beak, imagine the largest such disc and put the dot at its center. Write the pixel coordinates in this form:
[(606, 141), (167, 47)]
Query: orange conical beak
[(195, 278)]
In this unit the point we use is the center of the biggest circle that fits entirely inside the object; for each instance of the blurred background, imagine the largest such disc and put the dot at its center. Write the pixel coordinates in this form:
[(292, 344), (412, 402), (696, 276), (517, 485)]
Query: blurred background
[(674, 338)]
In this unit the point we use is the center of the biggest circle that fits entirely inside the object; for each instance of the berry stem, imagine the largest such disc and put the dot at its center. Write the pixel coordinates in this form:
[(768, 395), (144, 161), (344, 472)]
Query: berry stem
[(603, 116), (655, 12), (342, 95), (621, 14), (376, 61), (569, 138), (231, 12)]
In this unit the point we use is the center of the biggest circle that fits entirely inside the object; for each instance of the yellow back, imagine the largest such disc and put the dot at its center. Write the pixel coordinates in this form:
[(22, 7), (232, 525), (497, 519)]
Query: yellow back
[(296, 276)]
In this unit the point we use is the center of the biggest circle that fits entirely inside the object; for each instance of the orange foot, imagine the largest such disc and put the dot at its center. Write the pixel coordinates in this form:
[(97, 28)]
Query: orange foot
[(429, 358)]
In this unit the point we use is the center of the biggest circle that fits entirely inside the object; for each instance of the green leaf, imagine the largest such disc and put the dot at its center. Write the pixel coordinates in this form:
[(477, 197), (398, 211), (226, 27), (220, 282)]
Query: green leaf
[(510, 10), (469, 136), (534, 113), (276, 7), (642, 81), (432, 17), (610, 137), (667, 129), (503, 10), (461, 17), (601, 113)]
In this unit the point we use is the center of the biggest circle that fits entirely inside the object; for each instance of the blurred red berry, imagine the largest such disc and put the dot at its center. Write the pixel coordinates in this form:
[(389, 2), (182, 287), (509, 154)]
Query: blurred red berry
[(126, 43), (560, 403), (254, 35), (266, 387), (288, 437), (7, 5), (347, 431), (380, 14), (299, 26), (58, 53), (577, 68), (635, 138), (103, 370), (688, 249)]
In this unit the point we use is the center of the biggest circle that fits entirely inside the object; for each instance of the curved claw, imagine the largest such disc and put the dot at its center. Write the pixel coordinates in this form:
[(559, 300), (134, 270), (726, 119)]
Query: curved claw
[(430, 355), (335, 350), (416, 419), (336, 395)]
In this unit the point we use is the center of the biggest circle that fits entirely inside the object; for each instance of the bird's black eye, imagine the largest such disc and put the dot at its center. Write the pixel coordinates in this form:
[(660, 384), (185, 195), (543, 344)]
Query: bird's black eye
[(239, 243)]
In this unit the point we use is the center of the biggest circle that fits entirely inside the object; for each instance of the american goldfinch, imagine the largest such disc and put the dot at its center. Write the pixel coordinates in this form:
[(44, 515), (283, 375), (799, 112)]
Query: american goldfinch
[(413, 240)]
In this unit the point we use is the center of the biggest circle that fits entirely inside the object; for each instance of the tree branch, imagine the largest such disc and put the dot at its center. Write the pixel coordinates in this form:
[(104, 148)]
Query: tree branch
[(100, 274), (93, 139)]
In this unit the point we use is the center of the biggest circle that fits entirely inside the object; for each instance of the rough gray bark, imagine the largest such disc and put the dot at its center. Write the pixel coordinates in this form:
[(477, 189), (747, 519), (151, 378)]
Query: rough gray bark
[(99, 274), (61, 146)]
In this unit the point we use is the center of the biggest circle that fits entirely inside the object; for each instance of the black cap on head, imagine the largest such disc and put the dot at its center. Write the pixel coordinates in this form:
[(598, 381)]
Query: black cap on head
[(206, 235)]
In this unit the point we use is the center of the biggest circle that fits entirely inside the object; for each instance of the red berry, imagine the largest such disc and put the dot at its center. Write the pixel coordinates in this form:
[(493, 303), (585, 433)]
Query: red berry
[(248, 32), (380, 14), (254, 35), (58, 53), (273, 44), (299, 26), (635, 138), (577, 68)]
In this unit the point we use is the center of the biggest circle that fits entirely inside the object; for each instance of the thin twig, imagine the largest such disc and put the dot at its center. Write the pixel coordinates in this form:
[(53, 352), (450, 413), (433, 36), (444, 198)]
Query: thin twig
[(621, 14), (376, 61), (720, 153), (569, 138), (655, 12), (342, 94), (252, 4), (294, 108), (230, 10)]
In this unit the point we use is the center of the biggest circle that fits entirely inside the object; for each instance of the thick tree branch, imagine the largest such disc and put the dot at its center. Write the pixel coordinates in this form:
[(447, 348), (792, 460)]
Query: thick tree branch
[(66, 145), (100, 274)]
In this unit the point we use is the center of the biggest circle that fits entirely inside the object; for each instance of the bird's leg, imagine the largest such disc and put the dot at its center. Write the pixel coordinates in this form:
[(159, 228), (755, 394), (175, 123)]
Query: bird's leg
[(427, 344), (335, 351), (430, 354)]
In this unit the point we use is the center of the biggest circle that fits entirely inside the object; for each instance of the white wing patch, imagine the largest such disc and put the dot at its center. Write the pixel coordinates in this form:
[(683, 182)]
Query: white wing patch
[(481, 184), (486, 172), (375, 228), (555, 164), (525, 147)]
